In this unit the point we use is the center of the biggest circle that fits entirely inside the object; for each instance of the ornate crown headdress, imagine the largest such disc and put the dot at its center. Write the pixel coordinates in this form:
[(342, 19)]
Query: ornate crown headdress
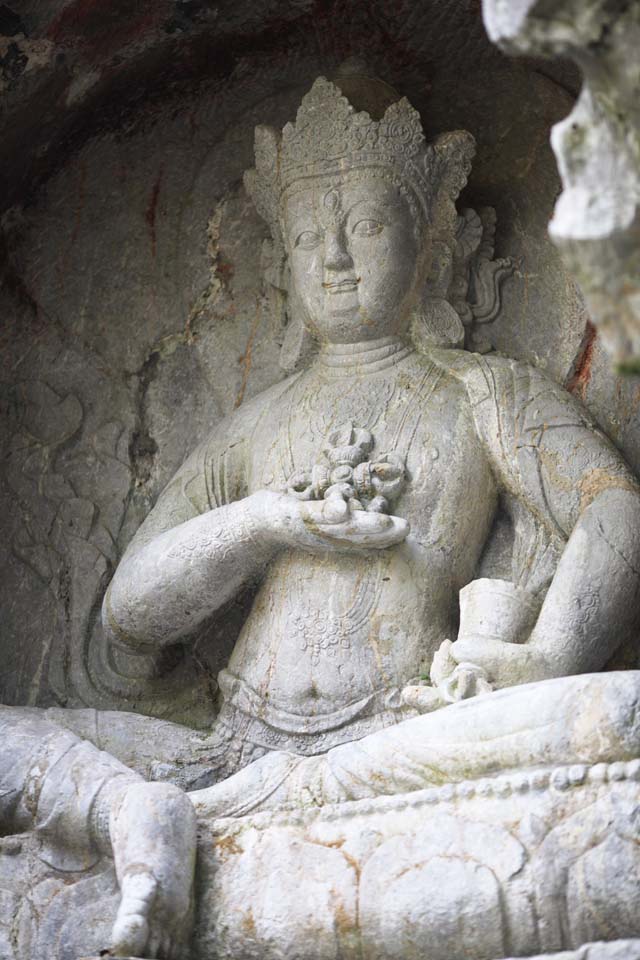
[(330, 137)]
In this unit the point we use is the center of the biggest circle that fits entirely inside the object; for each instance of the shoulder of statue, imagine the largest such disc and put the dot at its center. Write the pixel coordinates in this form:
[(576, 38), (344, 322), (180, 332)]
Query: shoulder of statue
[(241, 423), (215, 471), (493, 379), (485, 378), (499, 391), (244, 417)]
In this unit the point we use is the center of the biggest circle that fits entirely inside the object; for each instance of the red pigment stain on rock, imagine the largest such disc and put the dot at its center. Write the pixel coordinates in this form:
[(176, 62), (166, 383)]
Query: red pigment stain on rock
[(582, 374), (225, 270), (152, 209), (103, 28), (70, 20)]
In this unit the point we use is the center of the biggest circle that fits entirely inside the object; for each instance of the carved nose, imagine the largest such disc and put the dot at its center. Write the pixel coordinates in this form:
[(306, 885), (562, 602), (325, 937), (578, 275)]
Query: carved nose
[(336, 255)]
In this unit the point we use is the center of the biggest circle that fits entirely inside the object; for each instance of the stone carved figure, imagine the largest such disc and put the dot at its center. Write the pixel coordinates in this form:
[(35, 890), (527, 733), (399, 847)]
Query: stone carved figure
[(392, 496)]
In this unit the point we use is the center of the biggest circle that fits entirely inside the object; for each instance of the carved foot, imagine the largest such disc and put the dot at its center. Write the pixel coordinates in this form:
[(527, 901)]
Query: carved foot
[(153, 834)]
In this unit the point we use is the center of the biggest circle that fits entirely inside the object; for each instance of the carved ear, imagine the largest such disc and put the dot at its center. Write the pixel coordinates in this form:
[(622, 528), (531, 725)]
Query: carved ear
[(436, 324)]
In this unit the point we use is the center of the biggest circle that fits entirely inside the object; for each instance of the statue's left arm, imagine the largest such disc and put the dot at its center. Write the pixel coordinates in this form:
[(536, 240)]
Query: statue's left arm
[(550, 457)]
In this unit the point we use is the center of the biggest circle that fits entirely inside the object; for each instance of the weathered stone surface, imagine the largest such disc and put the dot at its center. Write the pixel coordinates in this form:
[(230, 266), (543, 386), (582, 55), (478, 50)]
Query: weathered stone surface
[(163, 306), (361, 494), (597, 218), (510, 865), (476, 867), (619, 950)]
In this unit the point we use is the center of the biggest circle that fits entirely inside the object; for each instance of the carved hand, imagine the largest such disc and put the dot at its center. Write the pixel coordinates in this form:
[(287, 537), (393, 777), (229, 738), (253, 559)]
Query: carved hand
[(422, 697), (505, 664), (326, 525), (172, 583)]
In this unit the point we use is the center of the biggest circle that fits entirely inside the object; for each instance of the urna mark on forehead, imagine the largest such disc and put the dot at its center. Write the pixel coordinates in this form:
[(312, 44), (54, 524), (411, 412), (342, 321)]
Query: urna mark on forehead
[(328, 201)]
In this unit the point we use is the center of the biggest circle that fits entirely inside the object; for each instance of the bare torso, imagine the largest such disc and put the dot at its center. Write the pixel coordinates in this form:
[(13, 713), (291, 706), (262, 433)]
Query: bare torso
[(327, 630)]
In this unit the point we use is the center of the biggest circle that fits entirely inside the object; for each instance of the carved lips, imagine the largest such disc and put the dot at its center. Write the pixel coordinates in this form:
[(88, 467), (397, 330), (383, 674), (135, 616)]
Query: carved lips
[(342, 286)]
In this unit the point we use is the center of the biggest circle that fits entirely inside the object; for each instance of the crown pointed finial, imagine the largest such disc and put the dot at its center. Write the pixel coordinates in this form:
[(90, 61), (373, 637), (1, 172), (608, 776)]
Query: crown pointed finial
[(333, 134)]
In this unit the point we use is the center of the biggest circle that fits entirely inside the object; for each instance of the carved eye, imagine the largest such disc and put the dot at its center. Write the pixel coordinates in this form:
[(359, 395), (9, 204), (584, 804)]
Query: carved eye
[(367, 228), (307, 240)]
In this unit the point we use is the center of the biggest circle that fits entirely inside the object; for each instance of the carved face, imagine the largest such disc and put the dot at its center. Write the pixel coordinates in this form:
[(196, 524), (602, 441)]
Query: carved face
[(354, 255)]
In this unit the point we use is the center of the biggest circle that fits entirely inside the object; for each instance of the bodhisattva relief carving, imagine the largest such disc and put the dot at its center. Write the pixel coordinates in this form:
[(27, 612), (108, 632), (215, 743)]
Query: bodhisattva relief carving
[(415, 751)]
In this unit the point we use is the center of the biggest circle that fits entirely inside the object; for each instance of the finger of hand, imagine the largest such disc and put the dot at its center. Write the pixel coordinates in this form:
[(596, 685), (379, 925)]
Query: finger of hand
[(395, 531), (392, 529), (468, 650), (491, 655), (466, 684), (376, 536), (131, 928), (422, 698), (443, 664), (370, 522)]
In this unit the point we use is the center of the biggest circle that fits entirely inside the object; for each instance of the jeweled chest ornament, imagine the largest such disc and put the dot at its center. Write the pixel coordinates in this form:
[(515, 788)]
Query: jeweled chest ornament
[(346, 470)]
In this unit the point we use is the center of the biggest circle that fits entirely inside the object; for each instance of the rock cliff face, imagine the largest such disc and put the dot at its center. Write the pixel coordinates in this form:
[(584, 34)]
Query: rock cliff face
[(134, 312), (596, 222)]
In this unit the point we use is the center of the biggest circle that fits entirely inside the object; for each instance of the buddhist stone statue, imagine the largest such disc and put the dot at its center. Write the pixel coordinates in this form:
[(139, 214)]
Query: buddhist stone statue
[(416, 753)]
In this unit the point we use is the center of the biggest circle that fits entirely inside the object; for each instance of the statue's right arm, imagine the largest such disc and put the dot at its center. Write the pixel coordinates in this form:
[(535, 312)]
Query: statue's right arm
[(207, 536), (165, 589), (204, 538), (172, 583)]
